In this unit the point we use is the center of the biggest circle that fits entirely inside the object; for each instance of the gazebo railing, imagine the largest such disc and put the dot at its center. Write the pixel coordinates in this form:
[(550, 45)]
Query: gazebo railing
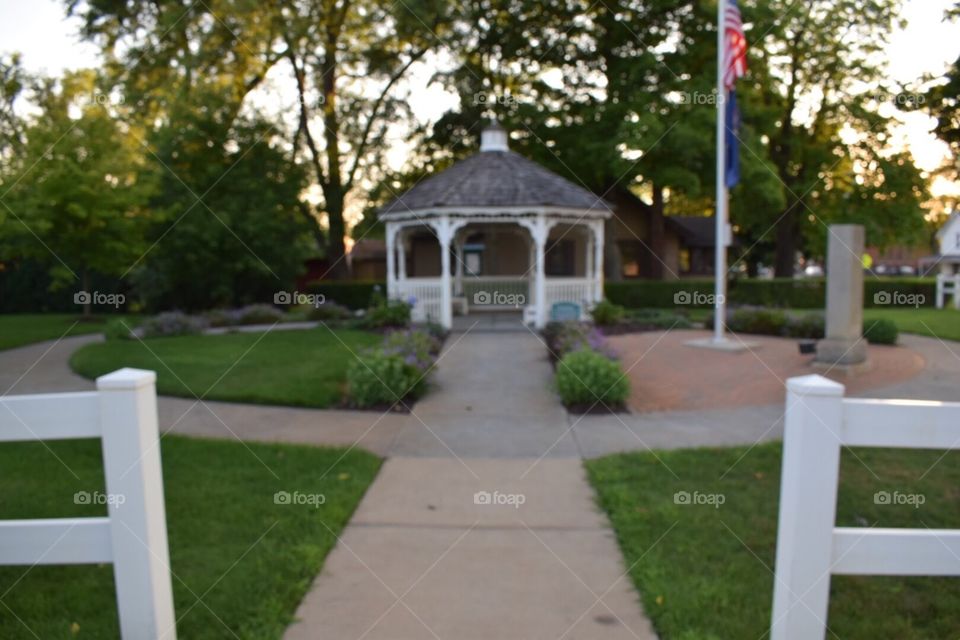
[(427, 296), (582, 291), (495, 291)]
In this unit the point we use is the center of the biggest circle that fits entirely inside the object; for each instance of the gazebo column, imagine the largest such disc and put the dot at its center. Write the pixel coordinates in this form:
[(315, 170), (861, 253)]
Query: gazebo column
[(444, 235), (539, 233), (458, 281), (391, 233), (402, 258), (597, 227)]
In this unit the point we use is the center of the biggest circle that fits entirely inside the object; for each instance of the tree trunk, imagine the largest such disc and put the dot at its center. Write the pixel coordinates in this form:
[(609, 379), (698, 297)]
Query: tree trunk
[(333, 192), (786, 250)]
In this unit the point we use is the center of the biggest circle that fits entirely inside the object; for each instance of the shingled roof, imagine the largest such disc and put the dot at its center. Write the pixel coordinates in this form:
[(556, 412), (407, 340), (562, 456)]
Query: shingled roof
[(495, 177)]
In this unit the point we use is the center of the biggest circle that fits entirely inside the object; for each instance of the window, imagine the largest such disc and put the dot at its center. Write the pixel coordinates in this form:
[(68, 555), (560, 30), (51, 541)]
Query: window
[(630, 259)]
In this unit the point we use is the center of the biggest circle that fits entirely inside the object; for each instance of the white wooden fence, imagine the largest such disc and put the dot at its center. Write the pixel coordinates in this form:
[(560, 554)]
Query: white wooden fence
[(122, 412), (810, 548)]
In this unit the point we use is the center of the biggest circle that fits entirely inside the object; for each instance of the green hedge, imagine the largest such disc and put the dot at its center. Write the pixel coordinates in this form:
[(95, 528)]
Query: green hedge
[(353, 294), (778, 292)]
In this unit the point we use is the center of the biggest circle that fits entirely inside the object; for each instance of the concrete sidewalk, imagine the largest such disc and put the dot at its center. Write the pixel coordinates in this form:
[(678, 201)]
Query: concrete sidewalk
[(422, 559)]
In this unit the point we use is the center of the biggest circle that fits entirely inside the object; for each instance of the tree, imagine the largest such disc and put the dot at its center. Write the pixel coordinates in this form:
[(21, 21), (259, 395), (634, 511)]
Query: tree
[(941, 100), (828, 143), (344, 60), (79, 189), (231, 231)]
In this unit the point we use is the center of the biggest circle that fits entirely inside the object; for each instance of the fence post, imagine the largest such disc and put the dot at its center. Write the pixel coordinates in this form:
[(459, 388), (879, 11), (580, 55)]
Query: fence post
[(808, 498), (134, 480)]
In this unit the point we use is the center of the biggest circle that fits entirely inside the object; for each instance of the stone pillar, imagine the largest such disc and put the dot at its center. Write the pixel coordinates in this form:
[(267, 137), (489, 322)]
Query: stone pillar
[(843, 344)]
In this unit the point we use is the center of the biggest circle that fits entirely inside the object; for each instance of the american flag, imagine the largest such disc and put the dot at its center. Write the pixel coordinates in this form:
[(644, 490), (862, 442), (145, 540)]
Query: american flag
[(735, 49)]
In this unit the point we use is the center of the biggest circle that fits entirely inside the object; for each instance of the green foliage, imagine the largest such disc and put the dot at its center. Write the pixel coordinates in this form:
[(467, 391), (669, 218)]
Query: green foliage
[(172, 323), (388, 314), (232, 233), (118, 329), (585, 377), (329, 311), (260, 314), (648, 319), (809, 326), (880, 331), (606, 313), (77, 191), (566, 337), (377, 378), (770, 322), (807, 293), (352, 294)]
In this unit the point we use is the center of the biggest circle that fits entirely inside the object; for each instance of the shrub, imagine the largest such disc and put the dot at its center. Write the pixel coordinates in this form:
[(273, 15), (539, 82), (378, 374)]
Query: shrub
[(388, 314), (808, 326), (350, 293), (118, 329), (222, 317), (377, 378), (769, 322), (416, 347), (605, 313), (327, 312), (647, 319), (880, 331), (566, 337), (586, 377), (173, 323), (259, 314), (805, 293)]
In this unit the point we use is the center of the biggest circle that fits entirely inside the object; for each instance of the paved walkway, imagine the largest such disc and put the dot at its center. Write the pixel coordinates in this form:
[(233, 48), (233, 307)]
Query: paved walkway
[(424, 557)]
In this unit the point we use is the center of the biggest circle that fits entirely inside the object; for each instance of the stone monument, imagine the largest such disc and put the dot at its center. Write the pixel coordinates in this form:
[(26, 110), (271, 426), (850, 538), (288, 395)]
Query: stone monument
[(843, 346)]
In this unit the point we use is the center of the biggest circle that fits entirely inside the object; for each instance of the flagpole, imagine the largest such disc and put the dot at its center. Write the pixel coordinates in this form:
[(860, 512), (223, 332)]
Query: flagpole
[(720, 252)]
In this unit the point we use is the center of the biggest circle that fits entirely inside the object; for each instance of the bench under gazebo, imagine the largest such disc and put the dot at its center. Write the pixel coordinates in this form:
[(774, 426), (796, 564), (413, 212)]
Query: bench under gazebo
[(495, 232)]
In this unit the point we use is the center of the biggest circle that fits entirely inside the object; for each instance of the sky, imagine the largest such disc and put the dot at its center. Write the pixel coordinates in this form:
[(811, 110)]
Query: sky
[(49, 43)]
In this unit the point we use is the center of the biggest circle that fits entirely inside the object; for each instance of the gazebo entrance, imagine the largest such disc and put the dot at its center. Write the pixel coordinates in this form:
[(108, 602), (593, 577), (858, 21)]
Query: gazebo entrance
[(494, 266), (495, 232)]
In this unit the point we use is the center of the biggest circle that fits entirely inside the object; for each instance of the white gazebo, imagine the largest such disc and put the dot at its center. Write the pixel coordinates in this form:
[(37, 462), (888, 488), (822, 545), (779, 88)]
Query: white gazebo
[(495, 231)]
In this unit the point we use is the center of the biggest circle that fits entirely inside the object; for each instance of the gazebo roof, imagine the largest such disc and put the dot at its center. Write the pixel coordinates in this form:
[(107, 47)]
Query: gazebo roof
[(495, 178)]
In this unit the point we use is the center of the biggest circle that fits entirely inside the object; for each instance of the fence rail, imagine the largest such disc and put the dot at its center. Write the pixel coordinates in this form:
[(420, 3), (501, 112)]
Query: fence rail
[(122, 412), (810, 548)]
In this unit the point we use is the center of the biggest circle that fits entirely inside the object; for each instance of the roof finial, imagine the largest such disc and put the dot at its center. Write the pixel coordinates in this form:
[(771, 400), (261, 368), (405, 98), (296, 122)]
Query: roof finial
[(494, 137)]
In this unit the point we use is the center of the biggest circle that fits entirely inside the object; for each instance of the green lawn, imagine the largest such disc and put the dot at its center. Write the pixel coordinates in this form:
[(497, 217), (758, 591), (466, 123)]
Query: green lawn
[(250, 560), (701, 569), (938, 323), (23, 328), (299, 368)]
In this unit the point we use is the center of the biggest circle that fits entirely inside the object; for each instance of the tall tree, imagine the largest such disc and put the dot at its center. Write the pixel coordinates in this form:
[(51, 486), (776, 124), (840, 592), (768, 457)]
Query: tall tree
[(343, 60)]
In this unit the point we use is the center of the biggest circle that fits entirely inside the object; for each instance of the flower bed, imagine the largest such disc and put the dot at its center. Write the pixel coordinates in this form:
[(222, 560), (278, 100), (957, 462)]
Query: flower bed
[(394, 374), (588, 376)]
